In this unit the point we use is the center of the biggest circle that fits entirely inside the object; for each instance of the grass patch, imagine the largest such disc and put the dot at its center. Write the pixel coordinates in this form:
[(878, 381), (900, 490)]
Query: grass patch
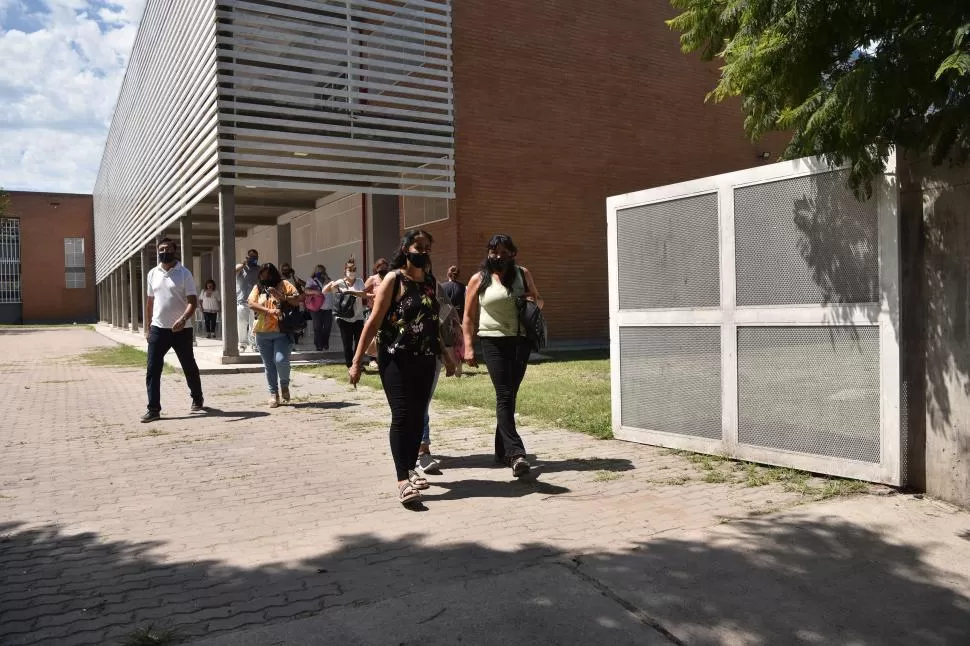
[(53, 326), (120, 356), (152, 433), (151, 635), (606, 476), (571, 391)]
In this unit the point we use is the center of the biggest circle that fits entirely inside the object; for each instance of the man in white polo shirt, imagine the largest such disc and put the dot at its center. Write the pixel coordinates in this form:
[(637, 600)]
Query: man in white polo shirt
[(170, 304)]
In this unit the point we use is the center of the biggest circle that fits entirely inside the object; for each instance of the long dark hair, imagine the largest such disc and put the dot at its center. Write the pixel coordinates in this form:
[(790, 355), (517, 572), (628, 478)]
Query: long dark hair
[(274, 273), (508, 277), (400, 257)]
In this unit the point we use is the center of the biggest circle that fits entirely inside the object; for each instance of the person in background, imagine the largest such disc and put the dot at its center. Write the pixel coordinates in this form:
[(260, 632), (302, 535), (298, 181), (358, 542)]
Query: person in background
[(170, 302), (247, 275), (405, 321), (290, 276), (210, 308), (320, 306), (455, 291), (491, 314), (274, 346), (350, 320), (370, 287)]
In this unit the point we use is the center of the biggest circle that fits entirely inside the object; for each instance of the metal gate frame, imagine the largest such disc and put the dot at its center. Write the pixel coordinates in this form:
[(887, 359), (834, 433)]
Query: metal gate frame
[(729, 317)]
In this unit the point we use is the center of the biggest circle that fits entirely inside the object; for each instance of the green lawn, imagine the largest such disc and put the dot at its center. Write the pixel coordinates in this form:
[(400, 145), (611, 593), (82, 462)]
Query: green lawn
[(120, 356), (571, 391)]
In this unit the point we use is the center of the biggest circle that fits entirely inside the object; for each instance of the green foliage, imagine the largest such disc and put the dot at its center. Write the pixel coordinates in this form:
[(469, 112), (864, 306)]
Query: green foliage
[(848, 78)]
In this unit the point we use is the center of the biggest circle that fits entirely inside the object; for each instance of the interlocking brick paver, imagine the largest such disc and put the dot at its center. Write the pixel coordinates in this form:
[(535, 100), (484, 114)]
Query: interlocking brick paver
[(248, 515)]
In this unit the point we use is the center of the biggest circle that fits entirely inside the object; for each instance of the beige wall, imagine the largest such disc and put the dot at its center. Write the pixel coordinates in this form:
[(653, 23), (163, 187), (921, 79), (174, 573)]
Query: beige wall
[(328, 236), (262, 239)]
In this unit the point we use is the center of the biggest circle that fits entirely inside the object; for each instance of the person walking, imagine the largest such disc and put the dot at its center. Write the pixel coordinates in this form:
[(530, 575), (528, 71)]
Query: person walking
[(348, 308), (170, 302), (210, 308), (247, 274), (267, 300), (405, 322), (290, 276), (381, 268), (320, 306), (491, 314), (455, 291)]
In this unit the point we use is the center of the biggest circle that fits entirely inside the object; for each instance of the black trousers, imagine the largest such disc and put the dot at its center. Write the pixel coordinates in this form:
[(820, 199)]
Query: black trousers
[(210, 322), (322, 326), (350, 337), (407, 385), (160, 341), (506, 359)]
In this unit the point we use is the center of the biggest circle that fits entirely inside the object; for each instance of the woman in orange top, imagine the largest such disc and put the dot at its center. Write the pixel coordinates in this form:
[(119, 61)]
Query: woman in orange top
[(274, 346)]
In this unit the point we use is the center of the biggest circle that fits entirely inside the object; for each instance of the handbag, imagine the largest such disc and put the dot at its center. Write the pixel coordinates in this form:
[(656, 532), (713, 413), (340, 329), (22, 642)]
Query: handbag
[(291, 319)]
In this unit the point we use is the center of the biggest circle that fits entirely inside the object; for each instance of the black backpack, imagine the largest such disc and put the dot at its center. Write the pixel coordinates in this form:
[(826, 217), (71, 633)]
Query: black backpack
[(531, 321), (344, 305)]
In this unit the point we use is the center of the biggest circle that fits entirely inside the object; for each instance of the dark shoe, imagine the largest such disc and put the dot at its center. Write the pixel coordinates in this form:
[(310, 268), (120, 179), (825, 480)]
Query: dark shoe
[(520, 467), (150, 416), (285, 394), (198, 406)]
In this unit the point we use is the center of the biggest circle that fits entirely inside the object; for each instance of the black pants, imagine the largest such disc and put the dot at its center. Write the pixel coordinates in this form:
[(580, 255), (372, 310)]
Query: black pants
[(506, 359), (160, 341), (210, 322), (350, 337), (322, 326), (407, 385)]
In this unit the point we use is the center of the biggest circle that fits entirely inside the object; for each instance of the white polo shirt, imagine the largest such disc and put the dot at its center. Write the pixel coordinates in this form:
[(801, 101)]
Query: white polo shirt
[(171, 290)]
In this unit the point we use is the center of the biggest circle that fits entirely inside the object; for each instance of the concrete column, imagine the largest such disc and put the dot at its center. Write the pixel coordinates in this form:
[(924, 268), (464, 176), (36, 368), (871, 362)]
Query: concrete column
[(125, 295), (133, 300), (284, 244), (227, 269), (146, 265), (115, 301), (185, 230)]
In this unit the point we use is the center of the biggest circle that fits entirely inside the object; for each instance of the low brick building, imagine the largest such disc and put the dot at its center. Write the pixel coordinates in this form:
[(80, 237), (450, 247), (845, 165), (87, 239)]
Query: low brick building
[(47, 259)]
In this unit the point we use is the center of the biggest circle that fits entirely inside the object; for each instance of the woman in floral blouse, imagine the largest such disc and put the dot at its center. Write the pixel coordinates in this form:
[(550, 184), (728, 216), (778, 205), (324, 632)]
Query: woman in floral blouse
[(405, 321)]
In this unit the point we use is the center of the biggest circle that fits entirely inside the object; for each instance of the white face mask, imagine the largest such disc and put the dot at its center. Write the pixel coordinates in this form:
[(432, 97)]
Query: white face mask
[(351, 275)]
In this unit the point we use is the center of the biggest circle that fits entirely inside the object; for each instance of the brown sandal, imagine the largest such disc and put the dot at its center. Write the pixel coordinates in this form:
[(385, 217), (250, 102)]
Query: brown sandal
[(409, 494), (417, 480)]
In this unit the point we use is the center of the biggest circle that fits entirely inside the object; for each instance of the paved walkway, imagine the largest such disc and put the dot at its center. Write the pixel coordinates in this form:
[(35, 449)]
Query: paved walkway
[(283, 525)]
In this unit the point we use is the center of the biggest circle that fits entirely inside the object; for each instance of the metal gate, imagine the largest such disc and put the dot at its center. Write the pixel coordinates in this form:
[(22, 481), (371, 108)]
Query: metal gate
[(755, 315)]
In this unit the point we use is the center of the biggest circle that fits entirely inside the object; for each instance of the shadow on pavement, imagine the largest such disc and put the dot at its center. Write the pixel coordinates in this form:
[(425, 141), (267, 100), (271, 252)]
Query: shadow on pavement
[(784, 580), (322, 405), (539, 466), (228, 415)]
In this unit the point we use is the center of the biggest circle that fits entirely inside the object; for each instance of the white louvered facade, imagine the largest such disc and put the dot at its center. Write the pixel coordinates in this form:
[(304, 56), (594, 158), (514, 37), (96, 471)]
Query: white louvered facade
[(314, 96)]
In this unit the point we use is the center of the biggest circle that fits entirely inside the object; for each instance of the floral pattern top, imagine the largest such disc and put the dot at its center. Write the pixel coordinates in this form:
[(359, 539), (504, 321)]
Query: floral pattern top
[(410, 326)]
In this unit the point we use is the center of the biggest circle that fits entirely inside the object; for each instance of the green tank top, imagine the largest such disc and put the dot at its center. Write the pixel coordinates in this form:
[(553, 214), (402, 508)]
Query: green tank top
[(498, 314)]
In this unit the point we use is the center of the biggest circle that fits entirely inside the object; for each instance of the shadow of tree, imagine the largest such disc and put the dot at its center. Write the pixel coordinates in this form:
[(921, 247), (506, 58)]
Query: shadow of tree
[(773, 581)]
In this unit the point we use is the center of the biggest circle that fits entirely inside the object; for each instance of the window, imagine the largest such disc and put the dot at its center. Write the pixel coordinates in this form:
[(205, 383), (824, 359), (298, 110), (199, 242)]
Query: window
[(74, 269), (9, 260)]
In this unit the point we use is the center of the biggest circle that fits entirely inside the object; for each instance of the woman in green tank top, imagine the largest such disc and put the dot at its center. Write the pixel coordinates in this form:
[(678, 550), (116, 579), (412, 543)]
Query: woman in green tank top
[(491, 315)]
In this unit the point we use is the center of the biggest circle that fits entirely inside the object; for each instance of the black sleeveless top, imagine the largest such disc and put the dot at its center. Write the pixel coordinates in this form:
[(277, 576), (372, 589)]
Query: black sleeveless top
[(410, 327)]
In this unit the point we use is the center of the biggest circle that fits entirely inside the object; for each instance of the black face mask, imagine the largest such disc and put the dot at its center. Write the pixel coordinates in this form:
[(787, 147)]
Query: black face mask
[(418, 260), (253, 262), (267, 283), (166, 257), (498, 265)]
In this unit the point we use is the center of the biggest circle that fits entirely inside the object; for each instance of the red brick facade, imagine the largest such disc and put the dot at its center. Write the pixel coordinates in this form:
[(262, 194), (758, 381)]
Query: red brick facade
[(560, 104), (46, 219)]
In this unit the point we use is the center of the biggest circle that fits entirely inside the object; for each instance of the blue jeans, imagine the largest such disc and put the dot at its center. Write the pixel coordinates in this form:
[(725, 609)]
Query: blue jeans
[(274, 348), (426, 438)]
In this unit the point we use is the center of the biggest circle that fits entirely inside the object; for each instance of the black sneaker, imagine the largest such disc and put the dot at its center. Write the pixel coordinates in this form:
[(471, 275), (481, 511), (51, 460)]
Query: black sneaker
[(520, 467), (198, 406), (150, 416)]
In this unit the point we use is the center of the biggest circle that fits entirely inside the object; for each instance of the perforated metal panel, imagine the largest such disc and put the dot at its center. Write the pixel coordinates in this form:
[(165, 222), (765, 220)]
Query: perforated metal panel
[(671, 379), (669, 254), (810, 389), (805, 240)]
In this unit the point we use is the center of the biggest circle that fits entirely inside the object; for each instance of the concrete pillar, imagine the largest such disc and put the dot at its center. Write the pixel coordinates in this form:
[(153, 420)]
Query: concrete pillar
[(227, 270), (185, 230), (284, 244), (133, 300), (115, 301), (146, 266), (125, 295)]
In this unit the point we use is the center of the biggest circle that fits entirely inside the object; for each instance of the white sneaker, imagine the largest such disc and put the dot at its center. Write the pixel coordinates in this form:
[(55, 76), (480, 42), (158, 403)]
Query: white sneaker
[(428, 464)]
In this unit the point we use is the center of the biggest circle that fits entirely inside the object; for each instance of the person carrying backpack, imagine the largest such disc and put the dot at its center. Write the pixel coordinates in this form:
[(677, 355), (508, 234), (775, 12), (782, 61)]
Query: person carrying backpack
[(348, 309), (492, 313)]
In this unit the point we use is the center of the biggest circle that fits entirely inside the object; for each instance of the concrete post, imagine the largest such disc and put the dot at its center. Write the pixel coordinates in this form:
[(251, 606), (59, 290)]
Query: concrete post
[(146, 266), (185, 230), (115, 300), (125, 295), (133, 292), (284, 244), (227, 269)]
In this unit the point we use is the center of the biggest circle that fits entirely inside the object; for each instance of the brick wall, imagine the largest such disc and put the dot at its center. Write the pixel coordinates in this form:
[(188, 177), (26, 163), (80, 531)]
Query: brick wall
[(559, 104), (46, 298)]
